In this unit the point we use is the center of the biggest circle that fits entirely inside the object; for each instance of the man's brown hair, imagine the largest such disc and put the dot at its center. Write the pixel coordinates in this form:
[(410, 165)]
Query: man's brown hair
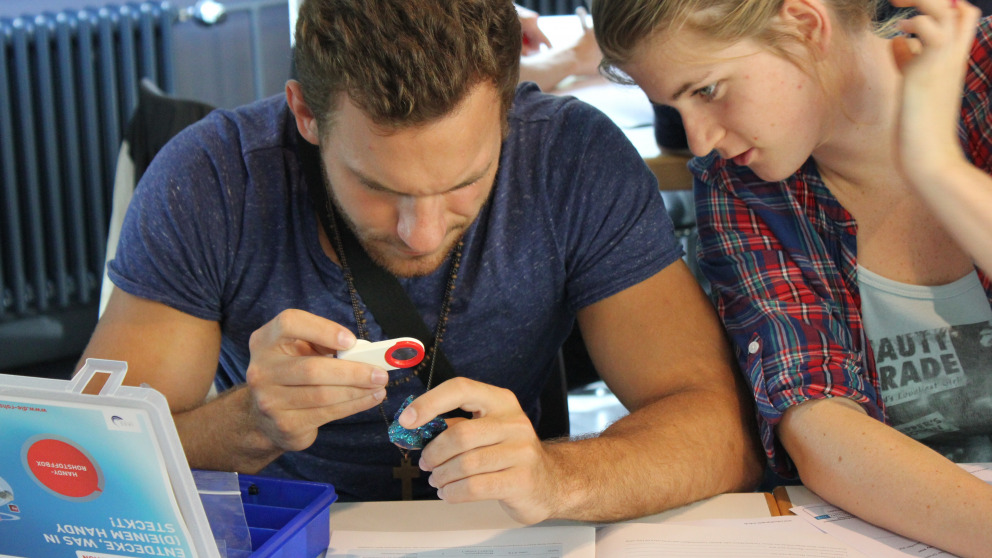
[(404, 62)]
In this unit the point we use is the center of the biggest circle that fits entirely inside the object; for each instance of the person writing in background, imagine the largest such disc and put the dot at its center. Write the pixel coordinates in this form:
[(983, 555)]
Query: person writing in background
[(505, 215), (531, 35), (548, 66), (840, 225)]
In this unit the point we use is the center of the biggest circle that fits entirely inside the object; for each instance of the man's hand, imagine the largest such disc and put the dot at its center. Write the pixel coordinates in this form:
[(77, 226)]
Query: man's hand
[(294, 384), (494, 456)]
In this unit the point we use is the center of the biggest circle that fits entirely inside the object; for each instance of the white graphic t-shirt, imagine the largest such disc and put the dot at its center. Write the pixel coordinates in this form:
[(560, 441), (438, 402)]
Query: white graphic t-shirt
[(933, 352)]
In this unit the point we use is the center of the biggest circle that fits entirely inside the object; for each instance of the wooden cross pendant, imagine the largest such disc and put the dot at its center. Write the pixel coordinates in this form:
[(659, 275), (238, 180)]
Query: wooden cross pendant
[(406, 472)]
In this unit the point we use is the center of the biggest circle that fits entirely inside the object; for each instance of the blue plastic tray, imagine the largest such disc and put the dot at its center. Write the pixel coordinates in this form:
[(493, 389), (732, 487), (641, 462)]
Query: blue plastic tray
[(287, 518)]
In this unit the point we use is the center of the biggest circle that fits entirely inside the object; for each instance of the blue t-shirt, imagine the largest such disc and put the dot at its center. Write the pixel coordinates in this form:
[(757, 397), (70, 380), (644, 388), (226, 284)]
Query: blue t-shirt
[(222, 227)]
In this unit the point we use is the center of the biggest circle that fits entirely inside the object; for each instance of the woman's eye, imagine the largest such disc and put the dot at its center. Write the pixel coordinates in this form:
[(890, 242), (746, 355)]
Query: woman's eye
[(707, 92)]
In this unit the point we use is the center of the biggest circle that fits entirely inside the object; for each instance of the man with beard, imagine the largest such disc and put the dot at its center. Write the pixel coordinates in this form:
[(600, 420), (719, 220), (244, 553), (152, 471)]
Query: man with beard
[(505, 214)]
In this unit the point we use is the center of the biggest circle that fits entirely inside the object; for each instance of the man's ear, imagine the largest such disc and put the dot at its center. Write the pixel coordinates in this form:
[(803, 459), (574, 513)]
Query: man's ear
[(306, 122), (811, 21)]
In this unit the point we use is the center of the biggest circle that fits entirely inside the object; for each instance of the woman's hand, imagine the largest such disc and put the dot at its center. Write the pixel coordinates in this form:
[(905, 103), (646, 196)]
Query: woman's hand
[(933, 62)]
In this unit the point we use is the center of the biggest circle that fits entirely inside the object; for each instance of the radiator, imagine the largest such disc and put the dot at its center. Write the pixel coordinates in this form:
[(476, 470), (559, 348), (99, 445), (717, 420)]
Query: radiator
[(553, 7), (68, 85)]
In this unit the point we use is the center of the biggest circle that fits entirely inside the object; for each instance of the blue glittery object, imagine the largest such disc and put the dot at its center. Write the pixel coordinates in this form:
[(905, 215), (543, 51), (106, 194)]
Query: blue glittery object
[(418, 437)]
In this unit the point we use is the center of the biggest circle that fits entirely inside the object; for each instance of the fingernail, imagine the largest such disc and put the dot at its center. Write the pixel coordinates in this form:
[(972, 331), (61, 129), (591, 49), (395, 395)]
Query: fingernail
[(423, 465), (346, 339), (408, 416), (379, 394), (430, 481), (440, 494), (379, 377)]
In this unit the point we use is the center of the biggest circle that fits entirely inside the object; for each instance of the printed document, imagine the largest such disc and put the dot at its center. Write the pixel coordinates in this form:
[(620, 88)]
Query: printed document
[(873, 540)]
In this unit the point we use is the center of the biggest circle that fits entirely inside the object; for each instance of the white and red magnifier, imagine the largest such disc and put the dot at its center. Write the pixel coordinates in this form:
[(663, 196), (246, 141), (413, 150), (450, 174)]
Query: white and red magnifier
[(405, 354), (402, 352)]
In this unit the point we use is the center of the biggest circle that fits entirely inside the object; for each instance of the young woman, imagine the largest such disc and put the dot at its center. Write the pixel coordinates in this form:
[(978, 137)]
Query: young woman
[(843, 200)]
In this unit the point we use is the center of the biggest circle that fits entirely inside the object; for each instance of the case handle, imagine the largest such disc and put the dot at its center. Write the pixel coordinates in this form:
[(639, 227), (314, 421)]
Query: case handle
[(115, 369)]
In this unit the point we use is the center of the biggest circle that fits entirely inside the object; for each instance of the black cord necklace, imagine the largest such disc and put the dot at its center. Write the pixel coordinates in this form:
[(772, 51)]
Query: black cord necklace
[(388, 295), (406, 471)]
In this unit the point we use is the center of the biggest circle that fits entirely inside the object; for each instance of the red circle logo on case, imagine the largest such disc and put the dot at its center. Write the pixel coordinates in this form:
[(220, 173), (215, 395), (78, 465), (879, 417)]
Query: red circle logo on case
[(405, 354), (63, 468)]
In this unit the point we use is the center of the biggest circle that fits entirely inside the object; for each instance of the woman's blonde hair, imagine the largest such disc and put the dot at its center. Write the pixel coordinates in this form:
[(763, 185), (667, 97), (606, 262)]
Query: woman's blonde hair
[(623, 25)]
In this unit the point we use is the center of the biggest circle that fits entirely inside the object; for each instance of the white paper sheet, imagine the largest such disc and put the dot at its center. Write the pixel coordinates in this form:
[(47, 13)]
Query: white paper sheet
[(786, 523), (637, 540), (545, 542), (980, 470), (626, 105), (864, 536)]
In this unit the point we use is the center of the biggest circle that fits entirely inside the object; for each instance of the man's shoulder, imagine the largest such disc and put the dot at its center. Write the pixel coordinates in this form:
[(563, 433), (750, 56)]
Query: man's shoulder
[(530, 104), (543, 125), (258, 125), (227, 153)]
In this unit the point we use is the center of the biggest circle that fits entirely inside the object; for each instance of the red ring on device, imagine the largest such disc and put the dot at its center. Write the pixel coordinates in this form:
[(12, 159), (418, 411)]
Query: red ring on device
[(413, 361)]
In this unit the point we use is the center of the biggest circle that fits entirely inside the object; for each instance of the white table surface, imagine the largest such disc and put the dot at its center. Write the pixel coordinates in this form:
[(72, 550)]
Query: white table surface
[(435, 515)]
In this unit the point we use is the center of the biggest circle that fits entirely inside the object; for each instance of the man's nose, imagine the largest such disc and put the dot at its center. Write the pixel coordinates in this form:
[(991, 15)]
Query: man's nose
[(421, 224)]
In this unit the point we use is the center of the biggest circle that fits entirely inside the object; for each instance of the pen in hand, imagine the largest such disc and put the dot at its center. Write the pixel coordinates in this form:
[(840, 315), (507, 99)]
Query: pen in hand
[(582, 14)]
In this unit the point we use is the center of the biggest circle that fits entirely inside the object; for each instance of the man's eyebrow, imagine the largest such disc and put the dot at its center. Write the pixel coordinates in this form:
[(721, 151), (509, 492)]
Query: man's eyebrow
[(373, 184), (370, 183)]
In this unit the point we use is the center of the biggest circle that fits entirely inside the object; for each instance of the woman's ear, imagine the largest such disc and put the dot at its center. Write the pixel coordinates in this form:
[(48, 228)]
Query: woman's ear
[(306, 122), (810, 20)]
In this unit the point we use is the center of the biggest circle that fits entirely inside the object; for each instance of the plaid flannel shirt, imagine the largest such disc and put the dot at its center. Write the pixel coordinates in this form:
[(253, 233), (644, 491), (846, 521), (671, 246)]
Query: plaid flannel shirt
[(781, 258)]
